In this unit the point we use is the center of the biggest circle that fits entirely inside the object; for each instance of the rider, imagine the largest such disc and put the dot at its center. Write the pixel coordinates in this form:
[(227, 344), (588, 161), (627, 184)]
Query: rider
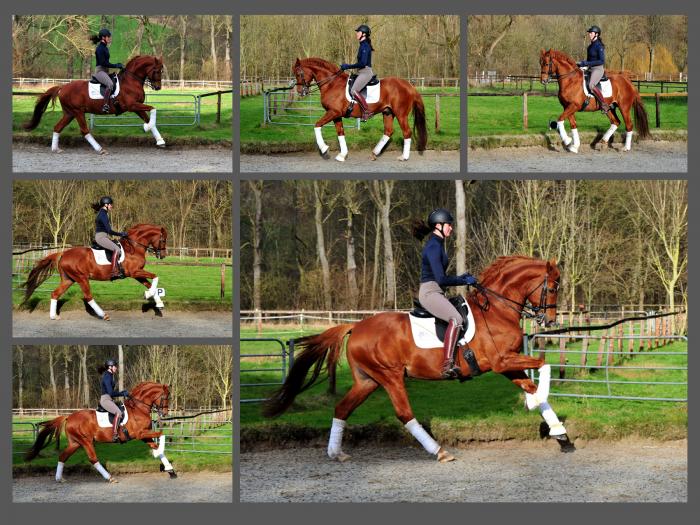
[(595, 60), (103, 229), (434, 280), (107, 388), (104, 37), (363, 66)]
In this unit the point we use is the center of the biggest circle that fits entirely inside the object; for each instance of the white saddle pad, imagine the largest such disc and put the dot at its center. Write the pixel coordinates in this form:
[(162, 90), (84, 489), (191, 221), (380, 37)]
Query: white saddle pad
[(605, 87), (94, 90), (101, 257), (372, 93), (423, 330), (103, 418)]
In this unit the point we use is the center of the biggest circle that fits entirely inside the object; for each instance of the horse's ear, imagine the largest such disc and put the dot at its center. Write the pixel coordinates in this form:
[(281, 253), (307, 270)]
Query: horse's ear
[(297, 63), (542, 51)]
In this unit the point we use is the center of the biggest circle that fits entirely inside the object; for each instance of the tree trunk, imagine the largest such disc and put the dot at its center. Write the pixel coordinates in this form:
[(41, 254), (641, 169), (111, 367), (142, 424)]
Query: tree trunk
[(183, 39), (381, 195), (321, 247), (52, 377), (66, 378), (461, 218), (20, 377), (353, 293), (212, 38), (83, 367), (122, 366), (257, 189)]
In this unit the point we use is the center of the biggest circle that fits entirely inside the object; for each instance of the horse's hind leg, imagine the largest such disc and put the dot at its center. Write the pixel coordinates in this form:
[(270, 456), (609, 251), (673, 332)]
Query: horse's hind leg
[(80, 117), (67, 452), (341, 140), (627, 116), (60, 126), (56, 294), (536, 397), (407, 133), (614, 123), (361, 389), (92, 457), (388, 131), (87, 295)]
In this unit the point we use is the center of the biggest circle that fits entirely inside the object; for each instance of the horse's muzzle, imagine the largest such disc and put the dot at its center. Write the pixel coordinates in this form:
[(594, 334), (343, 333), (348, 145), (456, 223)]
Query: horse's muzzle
[(551, 324)]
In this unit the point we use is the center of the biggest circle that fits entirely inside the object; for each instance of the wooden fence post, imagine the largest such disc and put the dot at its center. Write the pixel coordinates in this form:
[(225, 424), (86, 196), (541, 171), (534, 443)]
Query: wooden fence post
[(223, 279), (658, 110), (584, 350), (218, 107), (437, 113), (562, 357), (525, 110)]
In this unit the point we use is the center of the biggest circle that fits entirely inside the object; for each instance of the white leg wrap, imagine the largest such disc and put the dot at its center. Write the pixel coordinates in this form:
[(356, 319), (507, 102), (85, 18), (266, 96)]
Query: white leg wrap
[(96, 308), (156, 135), (91, 140), (628, 140), (59, 471), (102, 470), (577, 141), (165, 462), (152, 290), (380, 145), (556, 428), (157, 453), (343, 149), (609, 133), (54, 141), (158, 300), (406, 149), (562, 132), (52, 309), (535, 400), (336, 439), (319, 140), (418, 432)]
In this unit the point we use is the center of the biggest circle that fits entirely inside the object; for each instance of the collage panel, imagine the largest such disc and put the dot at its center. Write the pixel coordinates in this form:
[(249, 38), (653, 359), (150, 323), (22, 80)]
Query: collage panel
[(381, 95), (172, 275), (577, 93), (373, 310), (122, 93), (169, 433)]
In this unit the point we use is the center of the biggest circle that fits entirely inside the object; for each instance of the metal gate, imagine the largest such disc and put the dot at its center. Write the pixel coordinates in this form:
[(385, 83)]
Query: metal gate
[(173, 109), (280, 362), (283, 106), (207, 433)]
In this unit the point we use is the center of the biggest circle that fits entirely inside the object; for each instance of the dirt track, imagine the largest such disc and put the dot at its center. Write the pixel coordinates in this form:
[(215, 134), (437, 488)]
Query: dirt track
[(356, 162), (647, 156), (82, 159), (149, 488), (77, 323), (627, 471)]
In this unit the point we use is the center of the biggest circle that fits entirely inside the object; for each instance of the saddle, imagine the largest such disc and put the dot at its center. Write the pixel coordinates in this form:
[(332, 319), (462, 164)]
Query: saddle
[(604, 85), (370, 92), (103, 255), (97, 90), (106, 419), (458, 302)]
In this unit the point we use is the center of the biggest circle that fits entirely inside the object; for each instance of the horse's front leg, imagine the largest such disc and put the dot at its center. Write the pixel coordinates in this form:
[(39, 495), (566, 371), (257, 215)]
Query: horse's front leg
[(573, 147), (142, 276), (569, 111), (341, 139), (325, 119), (158, 450), (149, 123)]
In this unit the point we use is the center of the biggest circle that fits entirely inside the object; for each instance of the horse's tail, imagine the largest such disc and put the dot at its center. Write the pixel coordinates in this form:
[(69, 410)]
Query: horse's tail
[(41, 105), (41, 271), (51, 430), (316, 349), (641, 120), (419, 122)]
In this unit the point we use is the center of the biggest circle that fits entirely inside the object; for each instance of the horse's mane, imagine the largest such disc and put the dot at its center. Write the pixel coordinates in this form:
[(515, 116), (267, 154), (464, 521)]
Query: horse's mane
[(320, 62), (495, 269), (562, 57), (137, 58)]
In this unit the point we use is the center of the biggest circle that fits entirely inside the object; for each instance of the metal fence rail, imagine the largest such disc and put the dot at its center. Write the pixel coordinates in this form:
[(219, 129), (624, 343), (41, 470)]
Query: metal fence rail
[(285, 357), (173, 109), (608, 360), (282, 106)]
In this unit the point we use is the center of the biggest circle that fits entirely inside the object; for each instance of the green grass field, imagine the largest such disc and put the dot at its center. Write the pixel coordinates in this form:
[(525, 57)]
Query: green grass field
[(257, 138), (504, 115), (186, 287), (487, 407), (133, 456), (207, 132)]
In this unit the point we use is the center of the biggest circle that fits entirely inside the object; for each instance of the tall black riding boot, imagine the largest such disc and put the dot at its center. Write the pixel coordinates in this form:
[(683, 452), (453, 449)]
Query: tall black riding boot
[(115, 428), (448, 365), (363, 106), (604, 107), (105, 105)]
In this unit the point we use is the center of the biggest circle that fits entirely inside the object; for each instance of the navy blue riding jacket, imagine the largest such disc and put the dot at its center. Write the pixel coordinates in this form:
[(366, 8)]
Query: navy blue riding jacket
[(364, 56), (108, 385), (102, 55), (596, 54), (435, 262), (102, 223)]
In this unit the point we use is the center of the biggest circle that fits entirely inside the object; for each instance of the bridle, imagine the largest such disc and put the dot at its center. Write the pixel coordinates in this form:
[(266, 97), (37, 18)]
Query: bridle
[(149, 247), (526, 309), (306, 86), (555, 76), (146, 79), (161, 408)]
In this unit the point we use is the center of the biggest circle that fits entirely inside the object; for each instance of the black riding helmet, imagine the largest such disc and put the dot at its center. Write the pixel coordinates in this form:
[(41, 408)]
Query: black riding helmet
[(439, 216), (111, 362), (104, 32), (106, 200), (594, 29), (365, 29)]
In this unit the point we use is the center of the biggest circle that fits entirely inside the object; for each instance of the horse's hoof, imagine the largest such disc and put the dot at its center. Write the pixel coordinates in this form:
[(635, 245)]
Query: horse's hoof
[(565, 444), (341, 457), (573, 149), (159, 312), (172, 474), (61, 480), (444, 457), (105, 317), (57, 150), (372, 156), (340, 158), (401, 158), (160, 143), (103, 152), (112, 479), (57, 318)]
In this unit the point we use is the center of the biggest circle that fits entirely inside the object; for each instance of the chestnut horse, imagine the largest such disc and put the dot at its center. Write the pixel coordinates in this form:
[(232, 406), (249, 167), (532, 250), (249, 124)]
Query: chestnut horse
[(75, 101), (381, 351), (397, 99), (78, 265), (556, 65), (82, 430)]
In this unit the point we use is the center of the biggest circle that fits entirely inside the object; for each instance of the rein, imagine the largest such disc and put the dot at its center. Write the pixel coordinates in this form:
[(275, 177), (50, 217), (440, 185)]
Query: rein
[(156, 251), (606, 326), (306, 86), (523, 309), (551, 75), (159, 408)]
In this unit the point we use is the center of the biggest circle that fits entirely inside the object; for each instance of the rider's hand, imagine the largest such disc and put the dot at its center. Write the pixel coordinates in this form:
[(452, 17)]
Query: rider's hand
[(126, 393), (344, 66), (580, 64), (468, 279), (123, 234), (119, 65)]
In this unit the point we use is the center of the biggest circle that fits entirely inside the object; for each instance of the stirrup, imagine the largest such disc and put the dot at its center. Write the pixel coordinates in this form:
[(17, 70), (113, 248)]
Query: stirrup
[(449, 370), (115, 438), (105, 108)]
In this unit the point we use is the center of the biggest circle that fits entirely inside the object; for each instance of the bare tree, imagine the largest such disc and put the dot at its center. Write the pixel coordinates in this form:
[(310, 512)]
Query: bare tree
[(380, 192), (321, 243), (257, 222)]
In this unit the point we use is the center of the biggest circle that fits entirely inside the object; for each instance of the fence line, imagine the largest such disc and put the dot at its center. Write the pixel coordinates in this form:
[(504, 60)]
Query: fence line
[(187, 84), (285, 357)]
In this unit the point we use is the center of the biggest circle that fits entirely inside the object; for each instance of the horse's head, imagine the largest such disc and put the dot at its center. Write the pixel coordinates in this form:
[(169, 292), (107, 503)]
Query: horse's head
[(543, 296), (154, 396), (148, 69), (303, 77), (150, 236), (546, 66)]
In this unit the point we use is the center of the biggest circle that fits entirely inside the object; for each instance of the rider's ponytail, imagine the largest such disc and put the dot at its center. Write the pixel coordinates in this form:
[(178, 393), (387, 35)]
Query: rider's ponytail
[(96, 206), (369, 41), (95, 39), (101, 369), (421, 229), (601, 42)]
